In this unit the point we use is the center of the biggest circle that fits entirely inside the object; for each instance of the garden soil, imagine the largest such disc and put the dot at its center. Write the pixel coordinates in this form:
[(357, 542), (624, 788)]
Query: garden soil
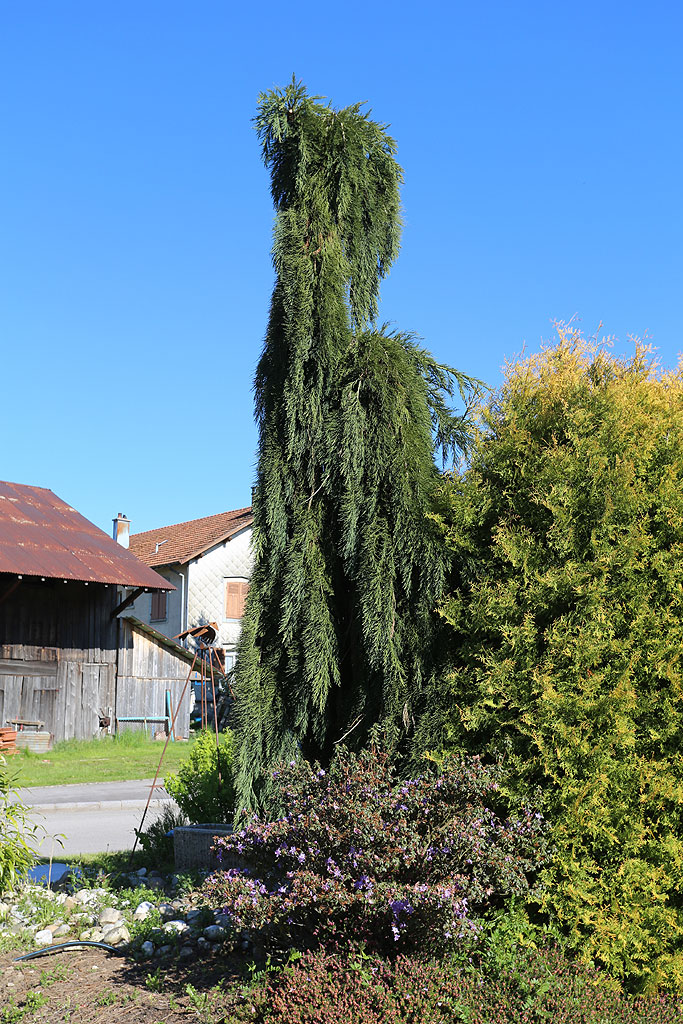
[(95, 987)]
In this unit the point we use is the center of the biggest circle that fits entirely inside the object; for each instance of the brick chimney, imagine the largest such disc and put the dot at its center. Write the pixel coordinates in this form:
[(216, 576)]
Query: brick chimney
[(121, 530)]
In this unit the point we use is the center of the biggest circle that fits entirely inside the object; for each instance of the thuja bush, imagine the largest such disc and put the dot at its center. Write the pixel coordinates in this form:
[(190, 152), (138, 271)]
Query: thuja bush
[(566, 620), (325, 988), (361, 856), (203, 787)]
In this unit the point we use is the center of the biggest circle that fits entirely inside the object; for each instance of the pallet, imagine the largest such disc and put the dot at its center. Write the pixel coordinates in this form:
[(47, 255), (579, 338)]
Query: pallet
[(8, 741)]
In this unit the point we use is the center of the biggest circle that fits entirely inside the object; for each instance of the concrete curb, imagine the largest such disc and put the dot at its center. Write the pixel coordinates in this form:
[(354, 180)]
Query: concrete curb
[(102, 805)]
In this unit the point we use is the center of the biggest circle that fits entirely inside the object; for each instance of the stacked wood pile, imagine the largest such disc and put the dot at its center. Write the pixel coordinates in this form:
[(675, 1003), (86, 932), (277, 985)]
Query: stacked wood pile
[(8, 741)]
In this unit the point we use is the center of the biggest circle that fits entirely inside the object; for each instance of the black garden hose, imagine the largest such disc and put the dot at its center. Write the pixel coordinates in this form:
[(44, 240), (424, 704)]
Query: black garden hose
[(68, 945)]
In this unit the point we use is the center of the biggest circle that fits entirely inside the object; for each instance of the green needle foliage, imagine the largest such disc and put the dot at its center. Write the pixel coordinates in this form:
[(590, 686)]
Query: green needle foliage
[(337, 631), (567, 644)]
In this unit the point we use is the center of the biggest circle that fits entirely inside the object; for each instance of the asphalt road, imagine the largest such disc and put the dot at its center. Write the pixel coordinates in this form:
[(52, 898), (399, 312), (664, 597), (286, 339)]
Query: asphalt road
[(96, 817), (91, 794)]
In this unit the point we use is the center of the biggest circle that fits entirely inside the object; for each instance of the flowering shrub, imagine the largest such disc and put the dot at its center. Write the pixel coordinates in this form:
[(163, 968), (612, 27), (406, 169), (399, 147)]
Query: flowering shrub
[(326, 989), (361, 856)]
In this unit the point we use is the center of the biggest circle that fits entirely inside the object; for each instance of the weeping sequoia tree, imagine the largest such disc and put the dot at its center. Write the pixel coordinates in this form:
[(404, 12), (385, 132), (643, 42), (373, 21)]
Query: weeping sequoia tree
[(337, 630)]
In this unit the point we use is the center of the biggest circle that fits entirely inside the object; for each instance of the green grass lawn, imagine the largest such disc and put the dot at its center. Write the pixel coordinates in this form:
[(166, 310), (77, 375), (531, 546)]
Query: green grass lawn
[(131, 755)]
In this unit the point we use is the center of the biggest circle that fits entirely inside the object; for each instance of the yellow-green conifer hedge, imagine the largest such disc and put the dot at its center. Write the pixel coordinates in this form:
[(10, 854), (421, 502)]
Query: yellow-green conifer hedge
[(566, 636)]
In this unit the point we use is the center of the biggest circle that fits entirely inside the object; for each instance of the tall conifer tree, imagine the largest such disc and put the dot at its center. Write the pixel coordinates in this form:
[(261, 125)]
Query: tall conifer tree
[(337, 631)]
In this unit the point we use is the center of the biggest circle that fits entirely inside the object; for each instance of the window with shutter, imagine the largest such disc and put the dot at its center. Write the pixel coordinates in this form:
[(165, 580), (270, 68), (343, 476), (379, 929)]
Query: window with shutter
[(159, 606), (235, 595)]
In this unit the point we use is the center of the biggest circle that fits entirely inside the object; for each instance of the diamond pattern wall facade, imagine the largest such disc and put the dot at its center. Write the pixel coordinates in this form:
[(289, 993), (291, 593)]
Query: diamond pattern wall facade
[(206, 584)]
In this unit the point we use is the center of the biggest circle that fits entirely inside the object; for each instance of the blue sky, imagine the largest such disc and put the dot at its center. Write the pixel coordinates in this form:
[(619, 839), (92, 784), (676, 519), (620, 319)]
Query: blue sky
[(543, 154)]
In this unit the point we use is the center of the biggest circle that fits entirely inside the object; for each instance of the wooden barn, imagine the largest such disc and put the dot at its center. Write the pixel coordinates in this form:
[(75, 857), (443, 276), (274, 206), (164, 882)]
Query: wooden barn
[(68, 656)]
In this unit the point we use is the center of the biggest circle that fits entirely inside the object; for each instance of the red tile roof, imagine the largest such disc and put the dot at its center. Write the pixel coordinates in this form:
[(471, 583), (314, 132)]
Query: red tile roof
[(40, 535), (182, 542)]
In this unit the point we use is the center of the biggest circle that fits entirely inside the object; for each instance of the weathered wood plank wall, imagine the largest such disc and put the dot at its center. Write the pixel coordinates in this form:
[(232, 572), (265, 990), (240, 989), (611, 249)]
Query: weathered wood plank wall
[(57, 654), (63, 659), (146, 671)]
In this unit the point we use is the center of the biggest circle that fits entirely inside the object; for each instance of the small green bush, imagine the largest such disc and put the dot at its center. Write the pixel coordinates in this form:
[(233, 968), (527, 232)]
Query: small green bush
[(196, 788), (156, 840)]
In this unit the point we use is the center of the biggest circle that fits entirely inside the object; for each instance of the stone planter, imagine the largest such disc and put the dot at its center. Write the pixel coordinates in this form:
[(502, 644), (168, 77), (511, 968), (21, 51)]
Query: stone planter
[(192, 847)]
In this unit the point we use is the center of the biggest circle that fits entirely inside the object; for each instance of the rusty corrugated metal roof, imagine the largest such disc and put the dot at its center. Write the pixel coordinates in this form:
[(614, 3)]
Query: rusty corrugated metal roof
[(40, 535), (181, 542)]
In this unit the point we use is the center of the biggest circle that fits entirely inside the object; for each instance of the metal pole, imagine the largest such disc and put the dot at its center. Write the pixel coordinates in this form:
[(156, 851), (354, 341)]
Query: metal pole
[(168, 708), (205, 710), (144, 813), (215, 718)]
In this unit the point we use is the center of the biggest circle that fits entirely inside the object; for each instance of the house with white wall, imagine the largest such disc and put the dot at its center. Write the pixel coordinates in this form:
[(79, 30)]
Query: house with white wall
[(209, 562)]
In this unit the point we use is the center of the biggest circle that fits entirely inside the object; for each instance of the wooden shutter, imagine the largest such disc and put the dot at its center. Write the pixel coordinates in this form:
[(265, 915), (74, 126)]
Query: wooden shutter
[(235, 596), (159, 605)]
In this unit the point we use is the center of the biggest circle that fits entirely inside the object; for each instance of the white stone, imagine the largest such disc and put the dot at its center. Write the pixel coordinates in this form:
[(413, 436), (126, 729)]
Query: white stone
[(177, 927), (164, 950), (142, 910), (167, 911), (61, 931), (147, 948), (141, 872), (86, 935), (43, 937), (110, 915), (116, 934), (223, 920), (214, 933)]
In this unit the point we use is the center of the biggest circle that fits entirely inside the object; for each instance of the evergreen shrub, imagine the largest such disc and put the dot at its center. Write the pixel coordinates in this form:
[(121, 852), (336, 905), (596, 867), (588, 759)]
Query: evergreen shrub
[(324, 988), (360, 856), (196, 787), (567, 637)]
